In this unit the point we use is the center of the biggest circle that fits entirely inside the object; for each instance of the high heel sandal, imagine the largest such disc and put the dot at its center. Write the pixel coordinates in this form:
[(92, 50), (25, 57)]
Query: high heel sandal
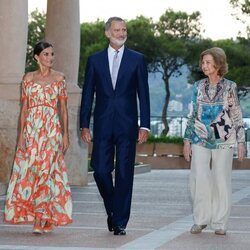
[(48, 227), (37, 228)]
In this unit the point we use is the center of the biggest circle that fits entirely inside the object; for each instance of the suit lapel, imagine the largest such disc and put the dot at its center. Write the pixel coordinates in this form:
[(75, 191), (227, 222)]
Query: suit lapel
[(105, 69), (123, 65), (106, 65)]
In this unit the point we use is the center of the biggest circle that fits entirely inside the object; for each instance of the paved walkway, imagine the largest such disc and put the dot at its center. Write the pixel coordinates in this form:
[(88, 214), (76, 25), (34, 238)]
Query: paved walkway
[(160, 219)]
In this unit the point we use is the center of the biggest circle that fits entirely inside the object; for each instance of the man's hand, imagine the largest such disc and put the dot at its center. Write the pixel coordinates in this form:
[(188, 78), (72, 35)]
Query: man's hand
[(85, 135), (143, 135), (187, 151)]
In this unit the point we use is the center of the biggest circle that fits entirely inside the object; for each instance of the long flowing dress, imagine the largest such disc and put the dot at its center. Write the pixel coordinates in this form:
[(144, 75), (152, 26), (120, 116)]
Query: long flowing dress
[(39, 187)]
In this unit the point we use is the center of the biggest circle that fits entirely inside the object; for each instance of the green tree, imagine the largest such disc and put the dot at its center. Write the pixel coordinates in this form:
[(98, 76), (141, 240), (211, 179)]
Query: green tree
[(242, 7), (92, 40), (141, 37), (173, 32), (238, 57), (36, 33)]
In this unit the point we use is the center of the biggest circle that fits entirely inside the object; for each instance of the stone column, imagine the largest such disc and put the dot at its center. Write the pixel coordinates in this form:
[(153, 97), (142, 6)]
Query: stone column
[(13, 43), (63, 31)]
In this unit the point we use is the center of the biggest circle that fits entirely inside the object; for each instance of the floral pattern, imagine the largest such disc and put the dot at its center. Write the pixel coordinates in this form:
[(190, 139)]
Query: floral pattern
[(39, 187)]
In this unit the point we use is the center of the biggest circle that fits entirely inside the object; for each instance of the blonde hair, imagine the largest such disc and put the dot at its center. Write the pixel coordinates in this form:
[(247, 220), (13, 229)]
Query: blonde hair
[(219, 57)]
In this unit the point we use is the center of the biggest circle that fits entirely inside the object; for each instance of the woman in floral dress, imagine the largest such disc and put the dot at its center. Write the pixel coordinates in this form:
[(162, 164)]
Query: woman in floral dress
[(38, 190)]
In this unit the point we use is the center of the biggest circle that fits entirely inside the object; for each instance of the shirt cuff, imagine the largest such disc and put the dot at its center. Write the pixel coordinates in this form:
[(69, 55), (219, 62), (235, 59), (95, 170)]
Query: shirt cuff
[(145, 129)]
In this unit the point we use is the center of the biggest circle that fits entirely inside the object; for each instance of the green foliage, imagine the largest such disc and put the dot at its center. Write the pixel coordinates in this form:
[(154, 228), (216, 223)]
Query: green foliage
[(36, 33), (242, 8), (174, 31), (92, 40), (243, 5), (146, 30), (238, 57), (194, 49), (165, 139), (179, 25)]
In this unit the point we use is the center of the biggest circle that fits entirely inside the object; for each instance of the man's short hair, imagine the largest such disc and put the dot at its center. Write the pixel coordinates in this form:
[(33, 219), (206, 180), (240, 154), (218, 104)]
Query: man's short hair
[(110, 20)]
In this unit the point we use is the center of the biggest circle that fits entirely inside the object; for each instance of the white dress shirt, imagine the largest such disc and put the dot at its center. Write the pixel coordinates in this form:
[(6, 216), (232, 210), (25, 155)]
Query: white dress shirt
[(111, 53)]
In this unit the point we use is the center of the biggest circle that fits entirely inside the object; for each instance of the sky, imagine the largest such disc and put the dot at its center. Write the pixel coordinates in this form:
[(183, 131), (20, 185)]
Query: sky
[(216, 14)]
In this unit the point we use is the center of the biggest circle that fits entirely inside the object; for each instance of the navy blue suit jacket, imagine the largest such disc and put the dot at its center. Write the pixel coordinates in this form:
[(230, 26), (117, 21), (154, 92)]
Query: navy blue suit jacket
[(116, 108)]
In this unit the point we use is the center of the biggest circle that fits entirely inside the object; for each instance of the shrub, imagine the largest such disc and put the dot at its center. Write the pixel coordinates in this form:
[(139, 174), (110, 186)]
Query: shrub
[(165, 139)]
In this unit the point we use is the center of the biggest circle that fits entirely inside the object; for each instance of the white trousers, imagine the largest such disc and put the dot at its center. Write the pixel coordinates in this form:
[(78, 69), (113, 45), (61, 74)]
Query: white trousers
[(210, 184)]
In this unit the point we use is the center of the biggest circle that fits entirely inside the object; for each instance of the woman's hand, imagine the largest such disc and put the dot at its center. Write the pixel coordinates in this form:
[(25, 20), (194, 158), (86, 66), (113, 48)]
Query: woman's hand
[(65, 143), (241, 151), (187, 151), (21, 141)]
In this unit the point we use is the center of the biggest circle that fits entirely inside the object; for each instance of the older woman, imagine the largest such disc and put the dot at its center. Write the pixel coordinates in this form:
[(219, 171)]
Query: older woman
[(38, 190), (213, 128)]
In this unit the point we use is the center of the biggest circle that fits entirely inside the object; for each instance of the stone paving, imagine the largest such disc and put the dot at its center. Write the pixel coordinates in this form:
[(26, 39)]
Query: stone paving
[(161, 217)]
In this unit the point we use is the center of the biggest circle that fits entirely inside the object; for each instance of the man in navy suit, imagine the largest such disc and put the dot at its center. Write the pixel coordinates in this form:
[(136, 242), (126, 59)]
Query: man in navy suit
[(118, 77)]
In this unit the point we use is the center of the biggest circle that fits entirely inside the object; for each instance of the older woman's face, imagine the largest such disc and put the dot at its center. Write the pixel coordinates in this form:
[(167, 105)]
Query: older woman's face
[(46, 57), (208, 66)]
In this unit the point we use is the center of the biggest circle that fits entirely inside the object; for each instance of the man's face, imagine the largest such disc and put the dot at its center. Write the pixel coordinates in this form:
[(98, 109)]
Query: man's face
[(117, 34)]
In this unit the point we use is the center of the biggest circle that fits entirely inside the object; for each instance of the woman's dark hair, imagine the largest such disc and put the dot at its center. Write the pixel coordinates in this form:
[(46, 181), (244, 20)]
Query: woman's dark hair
[(39, 47)]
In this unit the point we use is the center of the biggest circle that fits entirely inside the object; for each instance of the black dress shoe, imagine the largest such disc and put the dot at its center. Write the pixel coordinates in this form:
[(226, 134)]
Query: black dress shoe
[(119, 231), (110, 223)]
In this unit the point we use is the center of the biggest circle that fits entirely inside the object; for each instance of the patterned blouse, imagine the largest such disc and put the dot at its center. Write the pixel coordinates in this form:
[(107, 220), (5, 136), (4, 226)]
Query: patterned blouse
[(216, 119)]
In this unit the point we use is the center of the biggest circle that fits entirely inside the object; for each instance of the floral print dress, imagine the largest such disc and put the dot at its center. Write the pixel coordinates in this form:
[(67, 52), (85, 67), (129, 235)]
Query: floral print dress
[(39, 187)]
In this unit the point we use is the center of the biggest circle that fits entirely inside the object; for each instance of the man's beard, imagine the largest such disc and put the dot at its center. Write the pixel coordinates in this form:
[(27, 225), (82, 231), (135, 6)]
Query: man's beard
[(118, 42)]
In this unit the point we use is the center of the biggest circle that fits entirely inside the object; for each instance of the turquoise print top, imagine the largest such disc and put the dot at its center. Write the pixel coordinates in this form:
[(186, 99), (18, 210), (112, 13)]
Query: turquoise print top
[(216, 119)]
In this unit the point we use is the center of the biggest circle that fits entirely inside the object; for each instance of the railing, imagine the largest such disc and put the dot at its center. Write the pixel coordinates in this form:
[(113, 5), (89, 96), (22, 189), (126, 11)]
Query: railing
[(177, 126)]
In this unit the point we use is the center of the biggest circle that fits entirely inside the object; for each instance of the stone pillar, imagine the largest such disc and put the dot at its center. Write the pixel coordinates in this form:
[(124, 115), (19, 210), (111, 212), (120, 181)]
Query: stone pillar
[(63, 31), (13, 43)]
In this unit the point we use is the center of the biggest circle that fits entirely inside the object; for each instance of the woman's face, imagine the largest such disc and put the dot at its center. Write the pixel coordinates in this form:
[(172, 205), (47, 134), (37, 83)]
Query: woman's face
[(208, 66), (46, 57)]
